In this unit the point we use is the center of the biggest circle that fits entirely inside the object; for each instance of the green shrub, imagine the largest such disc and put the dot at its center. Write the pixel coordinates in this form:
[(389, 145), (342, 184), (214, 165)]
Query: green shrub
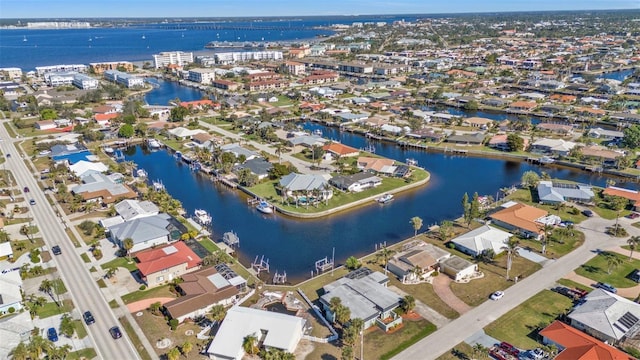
[(12, 310), (143, 287), (173, 323)]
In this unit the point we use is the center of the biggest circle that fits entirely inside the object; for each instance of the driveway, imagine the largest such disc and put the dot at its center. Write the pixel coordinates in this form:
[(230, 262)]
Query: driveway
[(532, 256), (443, 290), (423, 310), (480, 337)]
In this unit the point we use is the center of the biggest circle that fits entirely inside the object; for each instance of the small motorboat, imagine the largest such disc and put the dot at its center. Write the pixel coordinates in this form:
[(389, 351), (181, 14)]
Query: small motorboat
[(386, 198), (264, 207)]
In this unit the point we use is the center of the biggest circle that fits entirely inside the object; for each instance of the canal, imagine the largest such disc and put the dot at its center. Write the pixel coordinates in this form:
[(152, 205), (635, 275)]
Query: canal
[(293, 245)]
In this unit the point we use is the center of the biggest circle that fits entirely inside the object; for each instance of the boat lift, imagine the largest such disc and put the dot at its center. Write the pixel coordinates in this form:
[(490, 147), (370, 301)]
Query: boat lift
[(262, 265)]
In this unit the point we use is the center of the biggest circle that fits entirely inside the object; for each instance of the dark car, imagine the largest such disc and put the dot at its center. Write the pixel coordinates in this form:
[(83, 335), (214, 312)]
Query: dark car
[(26, 189), (88, 318), (606, 287), (115, 332), (509, 348), (633, 215), (8, 155), (587, 213), (52, 335), (56, 250), (32, 202), (635, 275)]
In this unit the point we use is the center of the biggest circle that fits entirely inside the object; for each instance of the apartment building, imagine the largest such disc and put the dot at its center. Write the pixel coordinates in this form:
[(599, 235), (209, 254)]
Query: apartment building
[(202, 76), (101, 67), (123, 78), (172, 58), (41, 70), (84, 82)]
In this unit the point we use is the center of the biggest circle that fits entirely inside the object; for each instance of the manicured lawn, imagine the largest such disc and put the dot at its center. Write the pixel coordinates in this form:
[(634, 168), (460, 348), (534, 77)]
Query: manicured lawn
[(209, 245), (113, 304), (478, 291), (560, 244), (519, 325), (312, 286), (597, 269), (135, 340), (88, 353), (160, 291), (24, 246), (529, 196), (122, 262), (267, 190), (425, 294), (58, 286), (378, 345), (572, 284), (85, 258), (50, 309), (156, 327), (460, 351), (81, 331)]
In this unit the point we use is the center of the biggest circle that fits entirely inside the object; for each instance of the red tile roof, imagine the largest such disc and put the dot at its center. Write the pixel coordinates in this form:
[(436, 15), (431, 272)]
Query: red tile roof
[(580, 346), (631, 195), (158, 259), (103, 117), (340, 149), (522, 216)]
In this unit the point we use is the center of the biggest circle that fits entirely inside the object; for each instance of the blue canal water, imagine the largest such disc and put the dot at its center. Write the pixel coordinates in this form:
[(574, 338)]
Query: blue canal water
[(293, 245), (619, 75), (166, 91)]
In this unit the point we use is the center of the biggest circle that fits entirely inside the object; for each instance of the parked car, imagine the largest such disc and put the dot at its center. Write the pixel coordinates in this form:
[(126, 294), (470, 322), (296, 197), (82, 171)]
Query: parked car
[(635, 275), (88, 318), (606, 287), (56, 250), (115, 332), (587, 213), (509, 348), (497, 295), (52, 334), (633, 215)]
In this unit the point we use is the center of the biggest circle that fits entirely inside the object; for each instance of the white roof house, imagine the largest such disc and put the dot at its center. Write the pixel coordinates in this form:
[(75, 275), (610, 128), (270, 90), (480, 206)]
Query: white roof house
[(550, 192), (558, 146), (13, 330), (5, 250), (82, 167), (10, 296), (483, 238), (182, 133), (134, 209), (606, 316), (275, 330)]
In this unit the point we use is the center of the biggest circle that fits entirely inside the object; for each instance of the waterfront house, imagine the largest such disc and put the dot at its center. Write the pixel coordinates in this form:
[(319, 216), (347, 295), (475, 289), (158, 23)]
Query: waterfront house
[(559, 129), (606, 316), (552, 147), (299, 185), (201, 290), (163, 264), (182, 133), (479, 240), (477, 122), (600, 133), (458, 268), (364, 292), (200, 104), (238, 150), (550, 192), (466, 139), (499, 142), (308, 141), (524, 219), (523, 106), (632, 195), (601, 154), (82, 166), (104, 120), (573, 344), (355, 182), (376, 165), (416, 263), (147, 232), (340, 150), (102, 188), (135, 209), (625, 117), (426, 134), (258, 166), (274, 331)]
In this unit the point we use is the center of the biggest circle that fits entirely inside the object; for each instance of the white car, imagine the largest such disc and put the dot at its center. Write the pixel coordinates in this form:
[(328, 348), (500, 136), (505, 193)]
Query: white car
[(497, 295)]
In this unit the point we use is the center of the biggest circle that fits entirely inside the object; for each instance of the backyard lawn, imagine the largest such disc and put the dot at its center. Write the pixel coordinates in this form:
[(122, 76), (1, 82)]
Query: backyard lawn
[(120, 262), (51, 309), (425, 294), (160, 291), (597, 269), (519, 326), (561, 243)]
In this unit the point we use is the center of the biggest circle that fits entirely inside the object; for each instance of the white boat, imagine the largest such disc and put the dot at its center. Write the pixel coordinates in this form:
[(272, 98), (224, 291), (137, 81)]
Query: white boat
[(265, 208), (24, 38), (153, 143), (546, 160), (317, 132), (412, 162), (143, 37), (158, 185), (385, 198), (202, 217), (141, 173)]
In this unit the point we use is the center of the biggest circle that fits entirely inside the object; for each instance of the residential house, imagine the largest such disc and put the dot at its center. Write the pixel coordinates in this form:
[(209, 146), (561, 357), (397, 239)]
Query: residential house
[(182, 133), (45, 125), (163, 264), (606, 316), (136, 209), (102, 188), (200, 104), (632, 195), (477, 122), (550, 192), (147, 232), (499, 142), (600, 133), (552, 146), (274, 331), (364, 292), (298, 185), (340, 150), (416, 263), (573, 344), (201, 290), (562, 98), (466, 139), (13, 331), (458, 268), (560, 129), (70, 154), (6, 252), (308, 141), (588, 111), (10, 292), (356, 182), (625, 117), (427, 134), (258, 166), (377, 165), (482, 239), (225, 85), (522, 218), (238, 150), (519, 106), (601, 154), (82, 166)]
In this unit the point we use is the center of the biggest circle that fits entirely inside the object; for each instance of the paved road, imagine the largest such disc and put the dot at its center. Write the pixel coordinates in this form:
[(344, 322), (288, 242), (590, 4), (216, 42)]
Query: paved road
[(476, 319), (83, 289)]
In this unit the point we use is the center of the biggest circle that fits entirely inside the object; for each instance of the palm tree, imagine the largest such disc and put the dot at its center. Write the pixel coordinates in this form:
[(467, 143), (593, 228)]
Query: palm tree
[(279, 150), (250, 344), (384, 254), (408, 303), (218, 312), (186, 348), (547, 229), (38, 346), (511, 248), (416, 222), (612, 262), (633, 242), (127, 244), (479, 350), (20, 352), (46, 286), (173, 354)]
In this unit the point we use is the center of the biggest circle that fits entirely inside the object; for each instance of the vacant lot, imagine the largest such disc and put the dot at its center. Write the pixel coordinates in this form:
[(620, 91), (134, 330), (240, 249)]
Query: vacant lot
[(600, 268), (156, 328)]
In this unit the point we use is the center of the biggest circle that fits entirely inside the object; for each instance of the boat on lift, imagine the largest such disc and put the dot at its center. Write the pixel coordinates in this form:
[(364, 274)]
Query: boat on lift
[(202, 217), (153, 143), (264, 207)]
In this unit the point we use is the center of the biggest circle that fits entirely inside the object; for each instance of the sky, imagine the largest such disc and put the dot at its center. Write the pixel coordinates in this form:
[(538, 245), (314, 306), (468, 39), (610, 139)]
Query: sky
[(256, 8)]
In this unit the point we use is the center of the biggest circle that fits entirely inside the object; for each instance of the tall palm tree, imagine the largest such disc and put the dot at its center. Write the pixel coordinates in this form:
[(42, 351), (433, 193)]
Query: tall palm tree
[(547, 229), (218, 312), (612, 262), (127, 244), (46, 286), (511, 248), (408, 303), (250, 344), (384, 254), (20, 352), (633, 242), (59, 353), (416, 223)]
